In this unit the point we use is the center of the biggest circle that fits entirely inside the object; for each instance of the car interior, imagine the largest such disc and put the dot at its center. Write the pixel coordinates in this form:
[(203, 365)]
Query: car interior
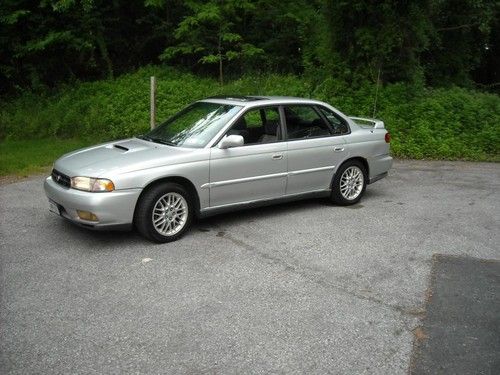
[(304, 122), (261, 125), (338, 125)]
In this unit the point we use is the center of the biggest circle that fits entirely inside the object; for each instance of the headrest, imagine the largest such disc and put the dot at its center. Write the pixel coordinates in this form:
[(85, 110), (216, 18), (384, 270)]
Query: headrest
[(319, 123), (241, 124), (271, 127)]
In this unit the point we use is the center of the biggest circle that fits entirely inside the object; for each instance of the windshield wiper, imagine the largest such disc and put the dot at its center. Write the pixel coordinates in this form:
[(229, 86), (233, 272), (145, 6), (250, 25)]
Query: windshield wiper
[(157, 140), (163, 142), (145, 137)]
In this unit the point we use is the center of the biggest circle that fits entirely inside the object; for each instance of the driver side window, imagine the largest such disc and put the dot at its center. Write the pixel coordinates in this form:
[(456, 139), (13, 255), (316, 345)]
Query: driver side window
[(258, 125)]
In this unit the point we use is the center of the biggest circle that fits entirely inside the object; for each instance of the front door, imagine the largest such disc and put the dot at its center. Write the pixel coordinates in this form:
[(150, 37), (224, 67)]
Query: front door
[(255, 171)]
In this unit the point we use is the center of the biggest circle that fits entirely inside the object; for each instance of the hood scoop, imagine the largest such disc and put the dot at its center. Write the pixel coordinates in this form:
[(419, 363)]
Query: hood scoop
[(120, 147), (125, 146)]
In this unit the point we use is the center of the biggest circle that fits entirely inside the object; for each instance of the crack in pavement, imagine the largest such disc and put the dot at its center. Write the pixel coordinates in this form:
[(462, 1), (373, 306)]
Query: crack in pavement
[(316, 276)]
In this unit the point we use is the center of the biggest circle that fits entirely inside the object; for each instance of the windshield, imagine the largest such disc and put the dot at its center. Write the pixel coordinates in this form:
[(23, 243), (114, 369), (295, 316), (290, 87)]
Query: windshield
[(194, 126)]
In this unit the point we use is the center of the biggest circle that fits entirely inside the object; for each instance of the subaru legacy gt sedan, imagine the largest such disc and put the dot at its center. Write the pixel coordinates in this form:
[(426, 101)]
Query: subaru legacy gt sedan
[(220, 154)]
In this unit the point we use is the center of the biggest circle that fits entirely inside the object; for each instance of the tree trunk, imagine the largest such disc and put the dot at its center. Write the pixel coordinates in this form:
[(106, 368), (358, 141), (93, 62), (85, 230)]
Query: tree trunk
[(103, 50), (221, 76)]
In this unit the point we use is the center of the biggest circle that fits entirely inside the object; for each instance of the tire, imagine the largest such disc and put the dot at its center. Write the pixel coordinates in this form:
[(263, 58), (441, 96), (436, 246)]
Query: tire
[(349, 183), (164, 213)]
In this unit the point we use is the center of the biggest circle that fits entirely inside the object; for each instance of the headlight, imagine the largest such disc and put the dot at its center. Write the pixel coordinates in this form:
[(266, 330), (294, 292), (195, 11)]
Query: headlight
[(92, 184)]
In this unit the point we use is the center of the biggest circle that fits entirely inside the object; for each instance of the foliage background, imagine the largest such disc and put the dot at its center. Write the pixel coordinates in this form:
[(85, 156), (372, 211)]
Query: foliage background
[(451, 123), (79, 69)]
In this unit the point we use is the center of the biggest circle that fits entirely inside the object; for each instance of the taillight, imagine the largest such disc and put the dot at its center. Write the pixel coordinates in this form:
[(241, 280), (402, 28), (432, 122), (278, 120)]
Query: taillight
[(387, 138)]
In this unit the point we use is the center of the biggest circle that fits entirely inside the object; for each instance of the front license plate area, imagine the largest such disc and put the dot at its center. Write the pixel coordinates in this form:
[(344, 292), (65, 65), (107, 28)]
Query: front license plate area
[(53, 207)]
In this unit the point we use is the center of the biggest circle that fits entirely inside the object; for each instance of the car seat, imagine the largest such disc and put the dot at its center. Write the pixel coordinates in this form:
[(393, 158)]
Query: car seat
[(271, 132)]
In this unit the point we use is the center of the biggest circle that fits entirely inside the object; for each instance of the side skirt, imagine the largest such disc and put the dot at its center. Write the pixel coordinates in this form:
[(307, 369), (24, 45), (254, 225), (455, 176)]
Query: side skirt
[(376, 178), (210, 211)]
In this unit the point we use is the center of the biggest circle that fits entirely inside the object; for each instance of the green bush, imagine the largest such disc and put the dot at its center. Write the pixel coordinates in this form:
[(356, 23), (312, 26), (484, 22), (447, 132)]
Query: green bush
[(451, 123)]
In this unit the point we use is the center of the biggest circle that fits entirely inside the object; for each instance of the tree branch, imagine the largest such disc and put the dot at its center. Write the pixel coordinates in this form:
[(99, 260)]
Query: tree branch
[(450, 28)]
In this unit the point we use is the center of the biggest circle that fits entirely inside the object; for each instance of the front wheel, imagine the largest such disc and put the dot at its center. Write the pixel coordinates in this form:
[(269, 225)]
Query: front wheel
[(349, 183), (164, 213)]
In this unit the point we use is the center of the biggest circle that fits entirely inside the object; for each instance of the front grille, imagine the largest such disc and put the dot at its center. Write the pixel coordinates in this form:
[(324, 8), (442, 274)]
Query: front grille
[(61, 178)]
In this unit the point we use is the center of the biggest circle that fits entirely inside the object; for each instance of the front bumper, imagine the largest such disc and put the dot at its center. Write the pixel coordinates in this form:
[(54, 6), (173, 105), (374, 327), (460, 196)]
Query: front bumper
[(113, 209)]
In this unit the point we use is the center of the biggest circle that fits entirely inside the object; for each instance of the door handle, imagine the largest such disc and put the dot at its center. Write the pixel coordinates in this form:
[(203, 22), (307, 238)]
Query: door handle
[(277, 156), (338, 149)]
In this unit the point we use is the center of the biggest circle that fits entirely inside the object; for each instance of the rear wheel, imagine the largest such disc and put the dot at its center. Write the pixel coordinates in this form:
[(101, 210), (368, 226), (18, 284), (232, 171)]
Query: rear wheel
[(164, 213), (349, 183)]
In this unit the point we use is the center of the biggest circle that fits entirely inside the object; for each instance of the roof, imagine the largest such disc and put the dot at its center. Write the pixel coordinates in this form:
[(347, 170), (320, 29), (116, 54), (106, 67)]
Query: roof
[(241, 98), (252, 100)]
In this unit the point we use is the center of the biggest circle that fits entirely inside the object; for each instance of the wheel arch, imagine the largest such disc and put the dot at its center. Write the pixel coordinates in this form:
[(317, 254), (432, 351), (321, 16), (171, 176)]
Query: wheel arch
[(183, 181), (361, 159)]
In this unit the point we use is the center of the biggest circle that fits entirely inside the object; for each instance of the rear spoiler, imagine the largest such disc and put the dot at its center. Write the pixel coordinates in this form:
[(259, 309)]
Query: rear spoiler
[(373, 123)]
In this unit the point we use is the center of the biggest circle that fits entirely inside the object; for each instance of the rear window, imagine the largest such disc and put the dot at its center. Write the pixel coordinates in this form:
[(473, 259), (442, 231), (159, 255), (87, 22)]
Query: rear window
[(303, 121), (338, 124)]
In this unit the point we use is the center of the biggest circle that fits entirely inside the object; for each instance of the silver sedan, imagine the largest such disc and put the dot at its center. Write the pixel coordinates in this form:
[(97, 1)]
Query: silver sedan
[(219, 154)]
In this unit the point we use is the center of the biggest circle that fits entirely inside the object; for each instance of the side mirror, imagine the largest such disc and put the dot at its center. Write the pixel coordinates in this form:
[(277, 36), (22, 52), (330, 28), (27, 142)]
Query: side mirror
[(231, 141)]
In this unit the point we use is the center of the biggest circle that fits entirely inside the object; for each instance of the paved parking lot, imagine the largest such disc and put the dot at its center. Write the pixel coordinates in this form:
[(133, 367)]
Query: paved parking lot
[(305, 287)]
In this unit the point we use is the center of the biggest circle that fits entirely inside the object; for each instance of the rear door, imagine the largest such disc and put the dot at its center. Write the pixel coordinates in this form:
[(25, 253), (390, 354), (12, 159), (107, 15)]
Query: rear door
[(258, 169), (314, 150)]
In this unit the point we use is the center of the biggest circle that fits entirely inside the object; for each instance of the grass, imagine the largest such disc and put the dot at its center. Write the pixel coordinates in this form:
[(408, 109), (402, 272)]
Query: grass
[(24, 158), (425, 123)]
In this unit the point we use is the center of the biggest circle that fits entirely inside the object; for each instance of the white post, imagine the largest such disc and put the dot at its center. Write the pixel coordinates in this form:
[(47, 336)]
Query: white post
[(153, 102)]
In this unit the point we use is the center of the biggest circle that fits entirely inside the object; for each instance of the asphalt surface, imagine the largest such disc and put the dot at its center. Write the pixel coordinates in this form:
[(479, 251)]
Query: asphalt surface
[(298, 288), (461, 328)]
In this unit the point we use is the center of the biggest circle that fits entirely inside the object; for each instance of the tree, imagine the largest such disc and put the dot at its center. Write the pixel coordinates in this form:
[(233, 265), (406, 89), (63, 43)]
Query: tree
[(384, 38), (45, 42), (209, 33), (285, 31), (460, 39)]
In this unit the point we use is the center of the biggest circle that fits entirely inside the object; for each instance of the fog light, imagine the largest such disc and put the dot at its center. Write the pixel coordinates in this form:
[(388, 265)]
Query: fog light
[(85, 215)]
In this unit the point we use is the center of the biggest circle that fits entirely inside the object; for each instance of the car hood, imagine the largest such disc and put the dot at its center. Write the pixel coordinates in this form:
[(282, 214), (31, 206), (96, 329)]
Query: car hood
[(119, 157)]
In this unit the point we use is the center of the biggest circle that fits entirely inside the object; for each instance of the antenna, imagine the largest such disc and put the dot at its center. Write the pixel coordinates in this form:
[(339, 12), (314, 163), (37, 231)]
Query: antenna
[(376, 93)]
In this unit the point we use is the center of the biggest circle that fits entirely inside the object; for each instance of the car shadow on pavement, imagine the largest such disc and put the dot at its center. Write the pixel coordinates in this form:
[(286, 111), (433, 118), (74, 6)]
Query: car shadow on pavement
[(100, 240), (293, 207)]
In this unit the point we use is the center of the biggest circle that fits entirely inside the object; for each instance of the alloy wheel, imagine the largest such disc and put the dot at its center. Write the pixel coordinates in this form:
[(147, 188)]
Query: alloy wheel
[(351, 182), (170, 214)]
